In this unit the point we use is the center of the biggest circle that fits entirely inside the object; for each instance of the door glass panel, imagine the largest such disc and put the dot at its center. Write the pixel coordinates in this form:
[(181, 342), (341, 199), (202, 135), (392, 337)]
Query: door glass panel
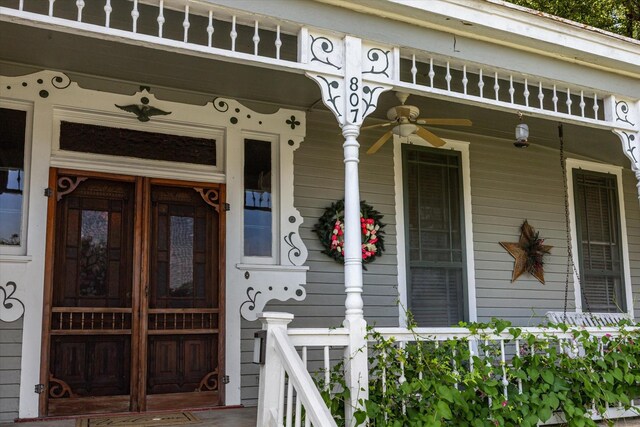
[(181, 257), (93, 253)]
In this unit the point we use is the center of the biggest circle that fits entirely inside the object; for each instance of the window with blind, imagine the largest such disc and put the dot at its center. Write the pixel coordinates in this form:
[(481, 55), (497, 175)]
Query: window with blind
[(435, 236), (598, 232)]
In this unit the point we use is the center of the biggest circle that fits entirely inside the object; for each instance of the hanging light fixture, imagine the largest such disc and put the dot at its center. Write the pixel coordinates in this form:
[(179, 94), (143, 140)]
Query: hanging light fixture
[(522, 133)]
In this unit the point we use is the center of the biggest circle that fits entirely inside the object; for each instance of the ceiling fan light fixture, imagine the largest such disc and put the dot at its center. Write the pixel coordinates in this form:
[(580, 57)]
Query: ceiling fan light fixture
[(522, 134), (404, 129)]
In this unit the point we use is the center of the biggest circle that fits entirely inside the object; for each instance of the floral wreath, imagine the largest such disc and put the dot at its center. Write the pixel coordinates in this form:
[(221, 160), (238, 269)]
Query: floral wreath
[(330, 230)]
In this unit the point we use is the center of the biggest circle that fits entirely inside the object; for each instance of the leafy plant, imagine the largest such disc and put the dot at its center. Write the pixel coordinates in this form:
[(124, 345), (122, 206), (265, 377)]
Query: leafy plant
[(461, 382)]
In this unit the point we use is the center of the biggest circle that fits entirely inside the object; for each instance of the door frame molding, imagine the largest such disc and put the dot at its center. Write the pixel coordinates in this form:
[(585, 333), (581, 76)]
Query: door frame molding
[(140, 280)]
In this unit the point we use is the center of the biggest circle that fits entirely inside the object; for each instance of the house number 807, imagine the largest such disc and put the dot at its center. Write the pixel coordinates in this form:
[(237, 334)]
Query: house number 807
[(354, 98)]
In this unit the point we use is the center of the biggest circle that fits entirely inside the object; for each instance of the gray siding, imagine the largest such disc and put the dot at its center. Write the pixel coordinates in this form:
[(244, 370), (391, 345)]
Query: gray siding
[(507, 186), (319, 181), (10, 354)]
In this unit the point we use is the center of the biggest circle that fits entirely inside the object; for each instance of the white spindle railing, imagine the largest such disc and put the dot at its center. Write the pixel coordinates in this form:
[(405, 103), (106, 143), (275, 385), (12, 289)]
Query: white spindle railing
[(288, 396), (195, 17), (508, 90), (497, 351), (246, 34)]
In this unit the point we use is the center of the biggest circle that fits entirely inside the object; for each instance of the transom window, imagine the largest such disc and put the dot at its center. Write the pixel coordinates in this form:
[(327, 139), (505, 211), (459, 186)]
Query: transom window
[(599, 237), (436, 257)]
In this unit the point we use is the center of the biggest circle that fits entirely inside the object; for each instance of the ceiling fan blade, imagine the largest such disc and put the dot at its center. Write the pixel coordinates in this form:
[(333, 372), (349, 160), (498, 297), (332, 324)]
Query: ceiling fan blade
[(450, 122), (379, 125), (431, 138), (379, 143)]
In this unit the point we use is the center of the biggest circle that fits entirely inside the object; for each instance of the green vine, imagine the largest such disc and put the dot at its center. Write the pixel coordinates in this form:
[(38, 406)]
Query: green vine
[(440, 386)]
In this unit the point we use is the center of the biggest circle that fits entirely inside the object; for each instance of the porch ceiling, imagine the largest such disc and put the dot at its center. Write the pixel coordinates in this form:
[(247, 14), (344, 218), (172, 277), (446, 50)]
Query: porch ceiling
[(26, 49)]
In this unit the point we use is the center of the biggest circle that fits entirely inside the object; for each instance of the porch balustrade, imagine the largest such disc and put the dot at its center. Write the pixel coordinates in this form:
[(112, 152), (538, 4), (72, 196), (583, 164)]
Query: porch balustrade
[(203, 28), (479, 347)]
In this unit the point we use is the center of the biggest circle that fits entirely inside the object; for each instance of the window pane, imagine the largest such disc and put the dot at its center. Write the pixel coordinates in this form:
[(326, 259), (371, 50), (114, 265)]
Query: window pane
[(434, 236), (181, 257), (93, 253), (12, 133), (598, 231), (257, 198)]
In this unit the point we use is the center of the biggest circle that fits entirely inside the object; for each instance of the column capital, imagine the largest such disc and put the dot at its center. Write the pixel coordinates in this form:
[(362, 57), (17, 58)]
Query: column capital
[(351, 73)]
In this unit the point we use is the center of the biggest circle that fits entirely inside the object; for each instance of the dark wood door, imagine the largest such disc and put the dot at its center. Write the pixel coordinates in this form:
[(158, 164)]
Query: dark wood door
[(91, 314), (184, 345), (135, 319)]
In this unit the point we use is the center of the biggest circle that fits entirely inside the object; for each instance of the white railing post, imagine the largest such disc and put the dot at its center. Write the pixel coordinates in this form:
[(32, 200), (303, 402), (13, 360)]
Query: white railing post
[(271, 370)]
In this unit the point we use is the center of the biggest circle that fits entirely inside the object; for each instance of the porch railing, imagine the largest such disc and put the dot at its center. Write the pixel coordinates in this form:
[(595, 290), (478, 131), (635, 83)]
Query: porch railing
[(498, 350), (487, 347), (287, 394), (203, 29)]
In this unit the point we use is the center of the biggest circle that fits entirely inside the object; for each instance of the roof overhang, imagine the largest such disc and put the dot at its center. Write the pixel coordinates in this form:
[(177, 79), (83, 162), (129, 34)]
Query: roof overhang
[(503, 23)]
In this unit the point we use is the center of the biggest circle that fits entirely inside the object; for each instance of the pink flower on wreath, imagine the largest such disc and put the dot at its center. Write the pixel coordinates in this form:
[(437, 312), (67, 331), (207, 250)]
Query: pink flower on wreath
[(504, 403)]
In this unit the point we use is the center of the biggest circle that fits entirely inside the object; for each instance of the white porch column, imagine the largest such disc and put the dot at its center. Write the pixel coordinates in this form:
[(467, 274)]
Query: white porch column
[(356, 366), (351, 75), (625, 115)]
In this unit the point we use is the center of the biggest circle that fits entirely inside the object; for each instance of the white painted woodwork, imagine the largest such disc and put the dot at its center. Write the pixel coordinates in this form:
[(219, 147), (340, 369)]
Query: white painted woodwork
[(321, 59), (282, 359), (624, 244), (50, 97), (587, 319), (465, 166)]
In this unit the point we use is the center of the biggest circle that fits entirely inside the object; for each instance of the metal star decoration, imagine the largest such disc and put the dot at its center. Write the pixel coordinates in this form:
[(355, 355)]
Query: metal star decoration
[(527, 253)]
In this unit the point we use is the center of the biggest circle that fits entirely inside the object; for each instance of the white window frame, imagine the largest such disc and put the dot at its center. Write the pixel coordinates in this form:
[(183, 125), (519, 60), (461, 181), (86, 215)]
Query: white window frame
[(626, 268), (463, 148), (274, 140), (21, 250)]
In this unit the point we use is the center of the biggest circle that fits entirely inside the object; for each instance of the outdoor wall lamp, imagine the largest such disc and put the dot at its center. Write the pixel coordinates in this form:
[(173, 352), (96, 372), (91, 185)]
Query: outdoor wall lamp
[(522, 133)]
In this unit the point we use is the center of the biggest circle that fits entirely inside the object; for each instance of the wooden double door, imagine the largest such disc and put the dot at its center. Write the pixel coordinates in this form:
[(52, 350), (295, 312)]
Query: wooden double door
[(134, 310)]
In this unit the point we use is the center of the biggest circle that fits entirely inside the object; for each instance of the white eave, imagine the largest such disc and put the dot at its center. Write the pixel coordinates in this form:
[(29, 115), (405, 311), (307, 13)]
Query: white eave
[(503, 23)]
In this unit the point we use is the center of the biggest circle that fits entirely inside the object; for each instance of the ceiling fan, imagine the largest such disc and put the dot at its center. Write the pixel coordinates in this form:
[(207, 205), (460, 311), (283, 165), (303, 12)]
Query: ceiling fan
[(405, 122)]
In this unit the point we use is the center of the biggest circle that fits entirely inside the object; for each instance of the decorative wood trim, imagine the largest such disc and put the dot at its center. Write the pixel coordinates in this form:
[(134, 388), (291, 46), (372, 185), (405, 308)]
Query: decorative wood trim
[(11, 309), (210, 197), (59, 388), (209, 382), (67, 185)]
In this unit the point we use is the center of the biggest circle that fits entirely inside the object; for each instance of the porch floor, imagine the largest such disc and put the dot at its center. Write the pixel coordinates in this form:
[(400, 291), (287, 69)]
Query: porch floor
[(236, 417)]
